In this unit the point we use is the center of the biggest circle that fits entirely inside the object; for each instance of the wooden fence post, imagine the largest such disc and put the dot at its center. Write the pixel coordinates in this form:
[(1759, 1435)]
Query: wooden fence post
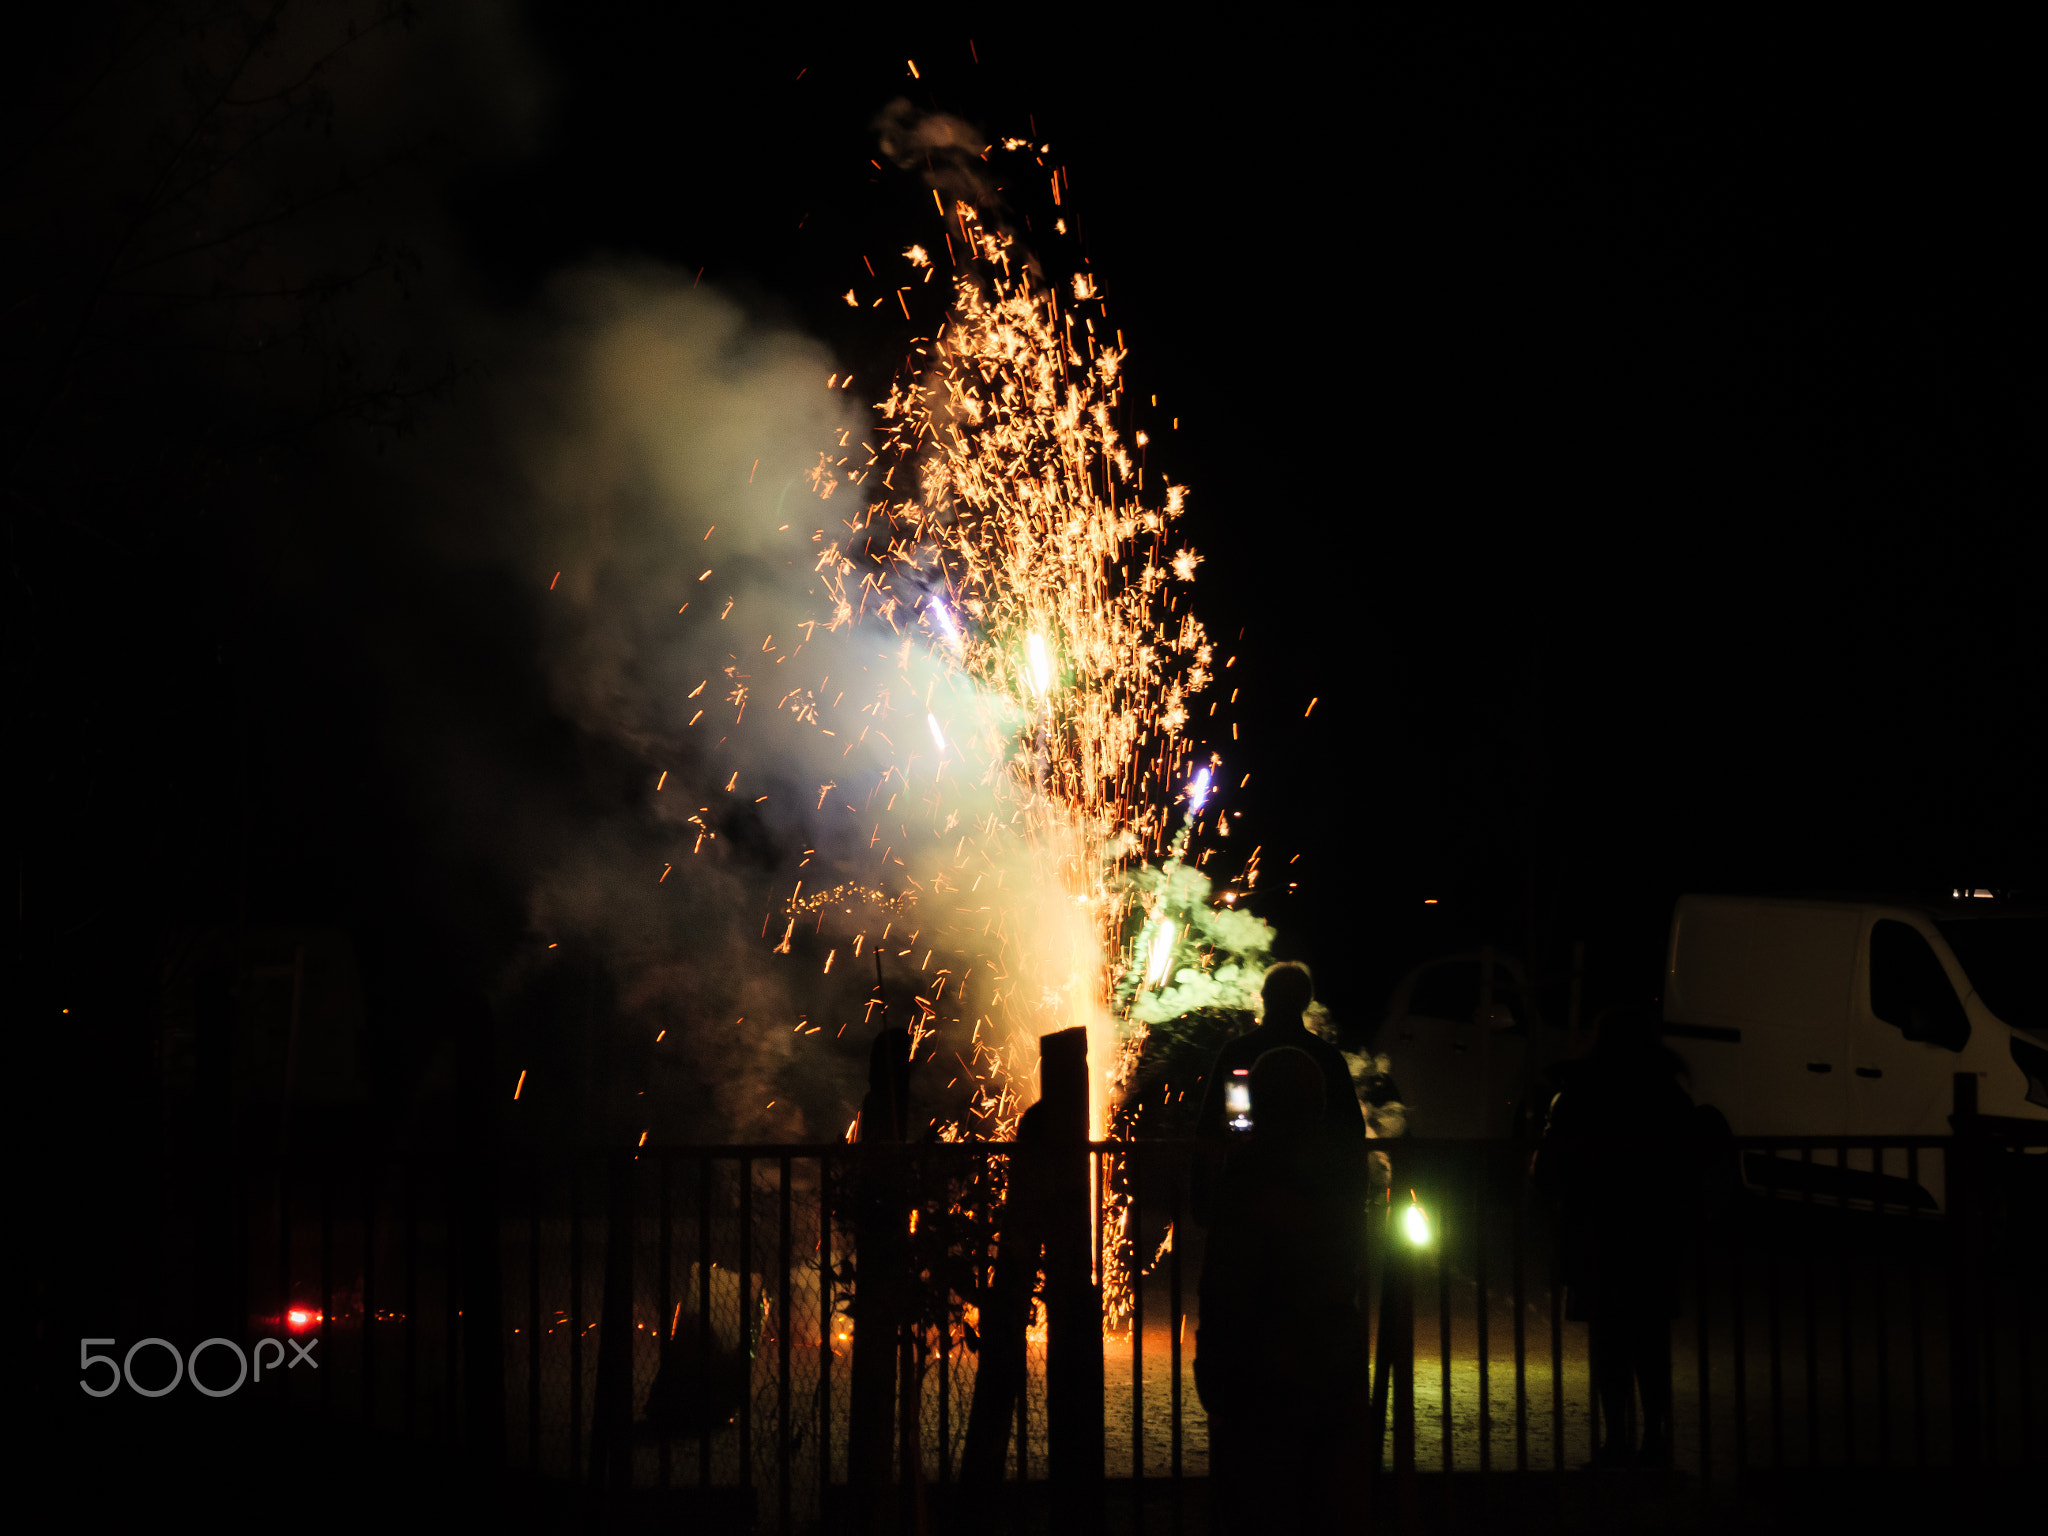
[(999, 1373), (1073, 1293)]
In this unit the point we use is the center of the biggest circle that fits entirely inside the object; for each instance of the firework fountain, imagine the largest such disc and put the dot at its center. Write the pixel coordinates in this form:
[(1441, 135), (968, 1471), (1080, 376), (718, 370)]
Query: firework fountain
[(969, 682), (1041, 670), (1033, 589)]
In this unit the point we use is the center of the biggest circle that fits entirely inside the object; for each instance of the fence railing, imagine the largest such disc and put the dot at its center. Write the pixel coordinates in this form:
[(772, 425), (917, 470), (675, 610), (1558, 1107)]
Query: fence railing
[(688, 1318)]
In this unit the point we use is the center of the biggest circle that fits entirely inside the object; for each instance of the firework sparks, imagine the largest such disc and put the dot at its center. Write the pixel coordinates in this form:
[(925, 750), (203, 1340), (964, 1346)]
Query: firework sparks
[(1018, 546)]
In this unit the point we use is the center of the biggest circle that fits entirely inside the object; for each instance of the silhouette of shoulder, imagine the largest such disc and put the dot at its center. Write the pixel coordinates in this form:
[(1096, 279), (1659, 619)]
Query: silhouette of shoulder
[(1341, 1110)]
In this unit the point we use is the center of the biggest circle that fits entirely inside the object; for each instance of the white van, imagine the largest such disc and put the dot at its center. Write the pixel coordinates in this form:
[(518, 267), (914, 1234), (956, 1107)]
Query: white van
[(1851, 1018), (1469, 1049)]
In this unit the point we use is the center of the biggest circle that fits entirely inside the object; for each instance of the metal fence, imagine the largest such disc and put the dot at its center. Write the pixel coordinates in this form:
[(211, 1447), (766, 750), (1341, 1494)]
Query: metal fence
[(684, 1319)]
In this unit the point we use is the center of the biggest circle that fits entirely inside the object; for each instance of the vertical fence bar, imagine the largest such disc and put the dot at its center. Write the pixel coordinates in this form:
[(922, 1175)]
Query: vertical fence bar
[(575, 1321), (1880, 1254), (1517, 1237), (1777, 1352), (1556, 1369), (1133, 1180), (784, 1320), (704, 1305), (1963, 1179), (824, 1338), (1845, 1272), (1443, 1332), (1479, 1289), (1176, 1322), (1811, 1303), (748, 1315), (1984, 1160), (665, 1313), (533, 1333), (284, 1258), (1738, 1289), (1704, 1355), (412, 1291), (2030, 1448), (946, 1400), (370, 1295), (452, 1310), (1915, 1311), (327, 1334), (239, 1191)]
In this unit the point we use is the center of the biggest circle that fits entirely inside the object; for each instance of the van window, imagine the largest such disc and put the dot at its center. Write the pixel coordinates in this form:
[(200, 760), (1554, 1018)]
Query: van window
[(2003, 958), (1910, 991), (1447, 992), (1452, 992)]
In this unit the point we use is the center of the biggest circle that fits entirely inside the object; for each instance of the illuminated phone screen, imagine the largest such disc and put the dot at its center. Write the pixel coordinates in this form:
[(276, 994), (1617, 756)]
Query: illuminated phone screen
[(1237, 1102)]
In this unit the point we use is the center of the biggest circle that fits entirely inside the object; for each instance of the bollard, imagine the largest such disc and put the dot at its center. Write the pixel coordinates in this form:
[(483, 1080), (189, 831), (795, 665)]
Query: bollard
[(1073, 1295)]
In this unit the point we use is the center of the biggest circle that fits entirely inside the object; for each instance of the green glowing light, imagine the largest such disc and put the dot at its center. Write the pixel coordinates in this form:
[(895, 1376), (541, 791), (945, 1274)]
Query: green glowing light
[(1415, 1226), (1161, 957)]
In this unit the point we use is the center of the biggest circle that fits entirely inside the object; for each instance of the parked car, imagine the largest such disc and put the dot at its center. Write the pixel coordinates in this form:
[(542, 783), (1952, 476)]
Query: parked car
[(1852, 1017), (1470, 1051)]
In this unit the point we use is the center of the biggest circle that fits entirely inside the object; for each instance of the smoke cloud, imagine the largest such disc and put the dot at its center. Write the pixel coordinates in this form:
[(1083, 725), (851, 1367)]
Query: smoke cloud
[(667, 445), (785, 731), (949, 154)]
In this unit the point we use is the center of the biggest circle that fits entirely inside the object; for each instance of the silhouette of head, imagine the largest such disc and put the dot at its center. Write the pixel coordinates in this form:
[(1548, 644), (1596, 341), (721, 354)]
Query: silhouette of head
[(1288, 990), (1287, 1093)]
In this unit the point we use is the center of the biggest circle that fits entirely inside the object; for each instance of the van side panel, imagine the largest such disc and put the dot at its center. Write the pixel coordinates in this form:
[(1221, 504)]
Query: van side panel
[(1773, 979), (1756, 962)]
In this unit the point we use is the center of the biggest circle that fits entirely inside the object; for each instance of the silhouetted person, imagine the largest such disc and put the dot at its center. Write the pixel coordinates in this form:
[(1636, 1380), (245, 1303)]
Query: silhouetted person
[(1281, 1363), (1618, 1162), (1287, 992)]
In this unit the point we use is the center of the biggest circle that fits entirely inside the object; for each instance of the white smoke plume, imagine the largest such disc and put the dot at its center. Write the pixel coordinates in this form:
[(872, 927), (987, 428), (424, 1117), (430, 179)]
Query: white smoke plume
[(666, 443)]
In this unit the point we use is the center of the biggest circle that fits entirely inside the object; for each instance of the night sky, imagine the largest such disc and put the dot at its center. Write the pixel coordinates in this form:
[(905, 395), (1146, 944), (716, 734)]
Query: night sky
[(1633, 443)]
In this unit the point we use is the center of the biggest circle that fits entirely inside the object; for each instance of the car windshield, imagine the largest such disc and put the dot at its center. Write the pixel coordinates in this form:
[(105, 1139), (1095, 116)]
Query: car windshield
[(2002, 956)]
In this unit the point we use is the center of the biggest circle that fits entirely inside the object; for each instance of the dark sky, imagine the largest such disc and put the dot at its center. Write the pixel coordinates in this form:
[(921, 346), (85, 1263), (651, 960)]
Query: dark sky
[(1633, 443)]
